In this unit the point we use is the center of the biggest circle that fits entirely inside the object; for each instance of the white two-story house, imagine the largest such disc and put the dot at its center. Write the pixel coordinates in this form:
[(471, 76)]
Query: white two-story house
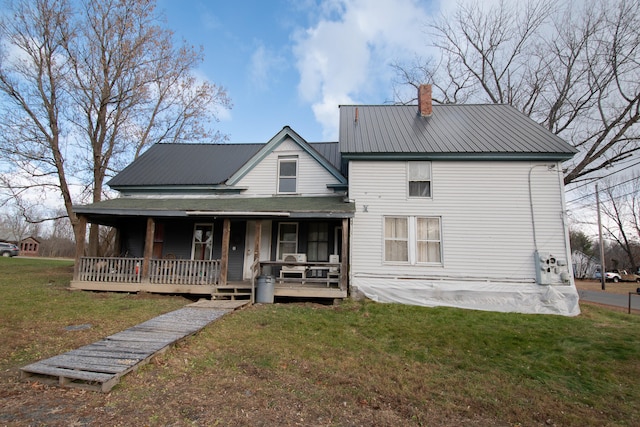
[(454, 205), (457, 205)]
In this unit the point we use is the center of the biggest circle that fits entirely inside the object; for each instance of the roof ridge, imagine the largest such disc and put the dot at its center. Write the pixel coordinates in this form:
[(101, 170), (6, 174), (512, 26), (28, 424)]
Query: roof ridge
[(478, 104), (209, 143)]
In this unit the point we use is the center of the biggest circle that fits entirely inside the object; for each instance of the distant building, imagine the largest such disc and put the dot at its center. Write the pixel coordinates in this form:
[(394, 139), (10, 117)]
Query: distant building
[(29, 246)]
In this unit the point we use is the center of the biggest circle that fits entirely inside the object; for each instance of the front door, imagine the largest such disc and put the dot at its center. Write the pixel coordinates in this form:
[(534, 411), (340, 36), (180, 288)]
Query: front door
[(236, 250), (265, 245)]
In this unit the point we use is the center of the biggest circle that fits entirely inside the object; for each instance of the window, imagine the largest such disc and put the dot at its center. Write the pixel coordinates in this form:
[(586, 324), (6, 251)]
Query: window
[(287, 238), (318, 243), (419, 179), (287, 174), (396, 239), (428, 240), (413, 240), (202, 242)]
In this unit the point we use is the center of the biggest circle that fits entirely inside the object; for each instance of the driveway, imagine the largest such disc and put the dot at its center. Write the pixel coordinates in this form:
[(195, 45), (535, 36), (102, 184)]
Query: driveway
[(615, 294)]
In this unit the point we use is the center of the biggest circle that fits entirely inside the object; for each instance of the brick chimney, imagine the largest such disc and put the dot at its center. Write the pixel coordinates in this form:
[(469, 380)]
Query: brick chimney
[(425, 107)]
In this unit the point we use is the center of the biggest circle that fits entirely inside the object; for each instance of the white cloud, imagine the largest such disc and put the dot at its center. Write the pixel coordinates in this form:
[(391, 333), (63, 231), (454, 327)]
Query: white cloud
[(264, 63), (345, 56)]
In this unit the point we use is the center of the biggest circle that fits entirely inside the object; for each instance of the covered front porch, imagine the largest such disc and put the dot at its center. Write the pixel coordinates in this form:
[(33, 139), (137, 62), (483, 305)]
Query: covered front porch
[(219, 254), (198, 277)]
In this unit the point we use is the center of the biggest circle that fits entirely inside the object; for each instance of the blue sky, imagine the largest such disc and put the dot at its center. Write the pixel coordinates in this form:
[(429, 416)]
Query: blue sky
[(287, 62)]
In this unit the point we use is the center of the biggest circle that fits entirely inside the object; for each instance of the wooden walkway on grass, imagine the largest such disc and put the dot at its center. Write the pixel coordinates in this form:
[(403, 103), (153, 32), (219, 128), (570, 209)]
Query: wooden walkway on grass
[(99, 366)]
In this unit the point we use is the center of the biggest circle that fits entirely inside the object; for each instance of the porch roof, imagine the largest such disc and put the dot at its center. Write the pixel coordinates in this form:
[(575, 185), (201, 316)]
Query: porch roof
[(291, 207)]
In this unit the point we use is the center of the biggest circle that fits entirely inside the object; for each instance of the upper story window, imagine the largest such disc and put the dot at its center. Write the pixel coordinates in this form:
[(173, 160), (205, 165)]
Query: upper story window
[(419, 179), (288, 174)]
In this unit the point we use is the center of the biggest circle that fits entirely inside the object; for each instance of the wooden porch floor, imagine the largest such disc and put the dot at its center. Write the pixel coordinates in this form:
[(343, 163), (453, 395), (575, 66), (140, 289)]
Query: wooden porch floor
[(289, 288), (99, 366)]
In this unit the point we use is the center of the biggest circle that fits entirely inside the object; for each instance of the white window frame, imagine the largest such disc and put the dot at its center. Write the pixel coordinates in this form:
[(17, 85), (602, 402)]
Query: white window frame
[(287, 159), (411, 177), (279, 252), (412, 241), (427, 240), (394, 239), (210, 243)]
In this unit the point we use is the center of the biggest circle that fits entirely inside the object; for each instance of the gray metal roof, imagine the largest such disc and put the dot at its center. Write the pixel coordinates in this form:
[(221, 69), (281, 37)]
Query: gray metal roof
[(185, 164), (197, 164), (312, 207), (328, 150), (452, 131)]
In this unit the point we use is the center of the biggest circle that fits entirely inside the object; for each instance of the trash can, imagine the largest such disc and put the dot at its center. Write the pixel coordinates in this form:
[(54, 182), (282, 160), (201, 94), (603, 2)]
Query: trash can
[(264, 289)]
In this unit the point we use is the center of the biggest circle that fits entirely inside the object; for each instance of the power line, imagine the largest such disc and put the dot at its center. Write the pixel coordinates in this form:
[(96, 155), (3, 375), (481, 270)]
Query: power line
[(605, 189), (605, 176), (609, 199)]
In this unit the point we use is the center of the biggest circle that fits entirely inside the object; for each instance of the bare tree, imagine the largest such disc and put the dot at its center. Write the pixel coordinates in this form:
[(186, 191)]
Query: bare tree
[(574, 69), (620, 207), (86, 86), (13, 226)]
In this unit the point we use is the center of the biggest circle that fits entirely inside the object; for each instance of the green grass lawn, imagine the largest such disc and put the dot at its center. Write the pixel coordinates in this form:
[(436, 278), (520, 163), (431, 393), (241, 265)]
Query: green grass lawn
[(358, 363)]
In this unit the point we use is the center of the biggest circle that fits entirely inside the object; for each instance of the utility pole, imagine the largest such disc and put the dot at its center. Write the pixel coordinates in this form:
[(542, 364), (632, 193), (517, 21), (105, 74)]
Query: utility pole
[(602, 267)]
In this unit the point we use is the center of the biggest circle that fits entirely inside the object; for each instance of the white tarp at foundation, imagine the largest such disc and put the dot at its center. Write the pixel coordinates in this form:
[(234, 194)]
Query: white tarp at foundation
[(475, 295)]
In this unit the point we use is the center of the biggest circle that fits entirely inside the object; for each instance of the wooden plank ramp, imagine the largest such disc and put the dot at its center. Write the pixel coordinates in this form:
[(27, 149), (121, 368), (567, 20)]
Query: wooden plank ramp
[(99, 366)]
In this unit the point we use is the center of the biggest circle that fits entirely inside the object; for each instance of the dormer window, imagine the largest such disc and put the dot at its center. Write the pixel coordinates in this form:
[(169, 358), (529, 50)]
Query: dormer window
[(288, 174)]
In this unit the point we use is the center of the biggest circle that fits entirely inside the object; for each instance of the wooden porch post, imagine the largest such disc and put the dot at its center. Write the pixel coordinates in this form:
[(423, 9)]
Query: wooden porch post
[(117, 242), (148, 249), (344, 262), (257, 242), (224, 262), (80, 244)]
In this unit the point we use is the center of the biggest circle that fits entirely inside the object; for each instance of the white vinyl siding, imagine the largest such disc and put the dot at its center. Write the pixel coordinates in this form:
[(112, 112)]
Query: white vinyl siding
[(312, 177), (486, 225)]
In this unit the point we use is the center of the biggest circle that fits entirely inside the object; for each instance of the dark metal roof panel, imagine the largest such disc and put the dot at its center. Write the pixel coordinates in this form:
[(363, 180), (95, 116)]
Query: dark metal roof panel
[(451, 129), (330, 151), (185, 164), (197, 164)]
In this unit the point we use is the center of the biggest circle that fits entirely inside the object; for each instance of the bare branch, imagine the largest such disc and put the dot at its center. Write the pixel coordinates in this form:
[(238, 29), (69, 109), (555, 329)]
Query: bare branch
[(574, 69)]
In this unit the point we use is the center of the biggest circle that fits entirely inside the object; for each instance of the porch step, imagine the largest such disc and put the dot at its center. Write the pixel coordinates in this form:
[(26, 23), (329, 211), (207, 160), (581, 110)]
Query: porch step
[(232, 292)]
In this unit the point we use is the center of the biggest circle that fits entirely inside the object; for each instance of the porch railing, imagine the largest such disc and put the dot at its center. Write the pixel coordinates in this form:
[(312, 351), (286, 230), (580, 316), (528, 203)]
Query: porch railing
[(101, 269), (161, 271), (185, 271)]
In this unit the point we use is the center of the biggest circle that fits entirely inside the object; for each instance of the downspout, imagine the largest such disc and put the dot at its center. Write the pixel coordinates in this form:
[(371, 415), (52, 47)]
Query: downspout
[(562, 212), (533, 219), (563, 217)]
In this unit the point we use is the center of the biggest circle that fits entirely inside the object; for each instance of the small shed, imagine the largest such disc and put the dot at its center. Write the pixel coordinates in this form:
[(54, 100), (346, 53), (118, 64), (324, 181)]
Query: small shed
[(29, 246)]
